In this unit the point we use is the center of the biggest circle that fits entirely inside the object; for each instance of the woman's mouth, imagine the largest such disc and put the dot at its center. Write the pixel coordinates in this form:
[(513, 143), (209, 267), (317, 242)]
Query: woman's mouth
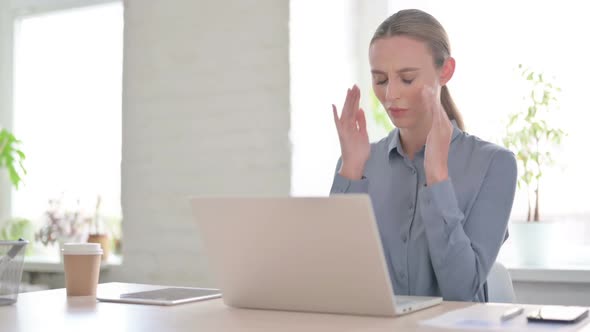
[(397, 111)]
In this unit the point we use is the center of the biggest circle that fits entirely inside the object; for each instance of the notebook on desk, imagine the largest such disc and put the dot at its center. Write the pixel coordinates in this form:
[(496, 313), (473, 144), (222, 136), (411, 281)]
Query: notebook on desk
[(161, 296), (320, 254)]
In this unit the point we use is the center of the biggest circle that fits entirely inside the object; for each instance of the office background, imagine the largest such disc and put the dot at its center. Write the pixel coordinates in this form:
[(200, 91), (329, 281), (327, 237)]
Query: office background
[(207, 94)]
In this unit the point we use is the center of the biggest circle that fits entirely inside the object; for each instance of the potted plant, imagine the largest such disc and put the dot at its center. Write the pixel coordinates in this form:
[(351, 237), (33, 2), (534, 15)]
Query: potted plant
[(12, 158), (531, 137), (533, 140), (62, 225), (18, 228)]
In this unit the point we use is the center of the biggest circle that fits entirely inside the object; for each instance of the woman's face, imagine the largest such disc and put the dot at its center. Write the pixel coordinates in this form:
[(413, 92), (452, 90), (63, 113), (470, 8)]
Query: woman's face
[(401, 67)]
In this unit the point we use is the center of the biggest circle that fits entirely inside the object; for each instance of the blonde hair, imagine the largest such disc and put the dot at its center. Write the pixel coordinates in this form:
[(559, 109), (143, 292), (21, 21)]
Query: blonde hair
[(422, 26)]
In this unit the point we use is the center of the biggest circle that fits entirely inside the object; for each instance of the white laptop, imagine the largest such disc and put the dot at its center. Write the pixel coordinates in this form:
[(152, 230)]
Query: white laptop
[(319, 254)]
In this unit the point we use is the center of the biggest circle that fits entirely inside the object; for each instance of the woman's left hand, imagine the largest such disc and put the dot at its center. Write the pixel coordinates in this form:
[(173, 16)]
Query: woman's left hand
[(438, 141)]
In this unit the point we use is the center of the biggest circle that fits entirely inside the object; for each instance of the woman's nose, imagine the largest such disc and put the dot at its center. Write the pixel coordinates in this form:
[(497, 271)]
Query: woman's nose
[(392, 92)]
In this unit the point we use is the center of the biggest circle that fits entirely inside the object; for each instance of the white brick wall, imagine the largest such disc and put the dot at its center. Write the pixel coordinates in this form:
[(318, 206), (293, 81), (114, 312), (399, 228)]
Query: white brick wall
[(205, 111)]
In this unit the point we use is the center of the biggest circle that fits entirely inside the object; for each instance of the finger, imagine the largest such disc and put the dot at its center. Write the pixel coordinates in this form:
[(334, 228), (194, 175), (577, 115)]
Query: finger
[(439, 111), (427, 97), (347, 112), (436, 98), (357, 98), (362, 122), (336, 119), (353, 104)]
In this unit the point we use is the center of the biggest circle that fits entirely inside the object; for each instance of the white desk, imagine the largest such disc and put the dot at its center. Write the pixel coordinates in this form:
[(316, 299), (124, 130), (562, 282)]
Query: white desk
[(52, 311)]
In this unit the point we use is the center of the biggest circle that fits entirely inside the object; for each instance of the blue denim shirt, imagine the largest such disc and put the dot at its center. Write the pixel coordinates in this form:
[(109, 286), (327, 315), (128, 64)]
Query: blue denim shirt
[(439, 240)]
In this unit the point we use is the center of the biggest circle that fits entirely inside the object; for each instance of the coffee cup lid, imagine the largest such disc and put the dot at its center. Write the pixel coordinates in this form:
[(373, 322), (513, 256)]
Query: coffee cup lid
[(81, 249)]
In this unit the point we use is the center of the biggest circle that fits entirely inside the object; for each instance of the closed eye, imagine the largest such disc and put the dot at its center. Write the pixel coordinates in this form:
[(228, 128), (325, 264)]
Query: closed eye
[(379, 78)]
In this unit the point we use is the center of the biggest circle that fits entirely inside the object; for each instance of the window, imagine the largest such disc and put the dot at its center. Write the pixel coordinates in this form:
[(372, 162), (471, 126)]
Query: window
[(67, 90), (322, 68)]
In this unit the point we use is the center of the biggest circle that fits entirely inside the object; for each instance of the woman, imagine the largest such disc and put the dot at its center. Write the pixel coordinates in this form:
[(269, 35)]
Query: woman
[(442, 197)]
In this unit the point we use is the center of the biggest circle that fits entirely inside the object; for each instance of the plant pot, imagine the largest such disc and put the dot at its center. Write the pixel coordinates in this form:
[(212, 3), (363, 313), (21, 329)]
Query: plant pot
[(532, 243), (545, 243), (104, 242)]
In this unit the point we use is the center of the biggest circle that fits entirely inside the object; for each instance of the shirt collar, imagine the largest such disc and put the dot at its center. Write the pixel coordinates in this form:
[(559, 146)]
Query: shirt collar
[(394, 136)]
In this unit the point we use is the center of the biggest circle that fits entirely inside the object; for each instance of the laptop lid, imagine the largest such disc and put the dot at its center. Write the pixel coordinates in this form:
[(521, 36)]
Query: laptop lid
[(320, 254)]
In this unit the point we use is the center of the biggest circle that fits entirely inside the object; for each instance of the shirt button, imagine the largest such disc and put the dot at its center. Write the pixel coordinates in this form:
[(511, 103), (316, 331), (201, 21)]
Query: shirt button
[(411, 205), (404, 238), (413, 171), (402, 275)]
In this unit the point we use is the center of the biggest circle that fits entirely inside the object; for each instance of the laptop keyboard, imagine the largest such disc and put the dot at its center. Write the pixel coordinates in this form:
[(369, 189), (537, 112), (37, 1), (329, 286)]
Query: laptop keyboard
[(409, 299), (402, 302)]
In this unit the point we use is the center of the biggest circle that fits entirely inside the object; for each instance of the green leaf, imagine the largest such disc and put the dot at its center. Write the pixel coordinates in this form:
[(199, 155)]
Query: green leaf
[(14, 177), (11, 157)]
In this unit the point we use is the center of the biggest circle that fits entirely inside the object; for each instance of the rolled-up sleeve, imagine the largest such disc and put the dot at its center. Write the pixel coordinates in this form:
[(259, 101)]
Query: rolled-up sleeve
[(342, 185), (463, 248)]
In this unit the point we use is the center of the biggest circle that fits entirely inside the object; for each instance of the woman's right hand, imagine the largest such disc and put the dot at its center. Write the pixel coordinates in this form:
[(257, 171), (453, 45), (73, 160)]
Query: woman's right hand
[(352, 132)]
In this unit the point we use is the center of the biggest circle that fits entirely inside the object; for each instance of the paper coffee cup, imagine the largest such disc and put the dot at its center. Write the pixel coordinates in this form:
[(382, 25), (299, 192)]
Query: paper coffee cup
[(82, 268)]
